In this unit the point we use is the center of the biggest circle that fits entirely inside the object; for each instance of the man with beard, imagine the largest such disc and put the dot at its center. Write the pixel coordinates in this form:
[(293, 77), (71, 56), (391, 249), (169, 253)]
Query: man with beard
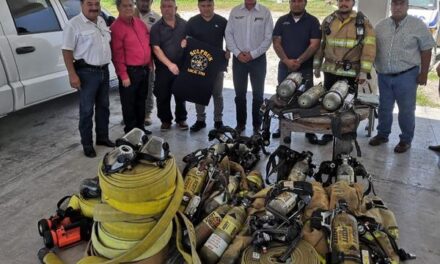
[(296, 38), (149, 17), (404, 46), (348, 49), (86, 53)]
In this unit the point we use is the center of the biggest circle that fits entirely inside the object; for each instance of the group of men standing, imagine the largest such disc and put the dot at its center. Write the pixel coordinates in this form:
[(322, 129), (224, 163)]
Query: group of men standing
[(344, 46)]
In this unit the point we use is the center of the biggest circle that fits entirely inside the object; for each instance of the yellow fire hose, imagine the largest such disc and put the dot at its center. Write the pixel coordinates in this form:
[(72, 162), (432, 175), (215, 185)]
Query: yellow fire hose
[(304, 253), (135, 219), (84, 205)]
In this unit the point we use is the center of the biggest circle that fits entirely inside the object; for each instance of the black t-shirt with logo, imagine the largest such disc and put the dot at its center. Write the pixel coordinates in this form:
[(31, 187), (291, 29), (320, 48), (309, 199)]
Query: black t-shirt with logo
[(202, 64), (211, 32)]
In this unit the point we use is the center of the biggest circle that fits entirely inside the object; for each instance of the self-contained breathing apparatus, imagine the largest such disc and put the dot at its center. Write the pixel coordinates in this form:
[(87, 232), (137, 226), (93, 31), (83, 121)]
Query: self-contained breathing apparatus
[(357, 239), (285, 161), (135, 147), (281, 222)]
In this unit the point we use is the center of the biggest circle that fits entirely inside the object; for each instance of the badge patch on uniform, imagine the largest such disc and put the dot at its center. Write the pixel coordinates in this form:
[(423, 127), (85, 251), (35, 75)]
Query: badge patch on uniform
[(239, 17), (259, 18), (152, 19), (286, 23)]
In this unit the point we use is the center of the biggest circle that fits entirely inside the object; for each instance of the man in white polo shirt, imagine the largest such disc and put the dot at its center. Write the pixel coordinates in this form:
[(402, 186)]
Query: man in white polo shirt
[(86, 52), (248, 36)]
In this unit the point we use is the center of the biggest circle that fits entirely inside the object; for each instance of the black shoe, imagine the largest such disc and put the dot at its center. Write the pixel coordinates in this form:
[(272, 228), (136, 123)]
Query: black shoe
[(312, 138), (105, 142), (402, 147), (198, 125), (146, 131), (218, 124), (435, 148), (326, 138), (377, 140), (276, 134), (89, 151)]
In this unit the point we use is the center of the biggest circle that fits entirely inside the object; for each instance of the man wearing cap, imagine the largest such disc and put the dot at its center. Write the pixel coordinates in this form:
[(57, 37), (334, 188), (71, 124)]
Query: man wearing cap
[(404, 46)]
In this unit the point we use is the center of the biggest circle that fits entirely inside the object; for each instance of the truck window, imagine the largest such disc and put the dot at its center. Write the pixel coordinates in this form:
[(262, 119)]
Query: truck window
[(71, 7), (423, 4), (33, 16)]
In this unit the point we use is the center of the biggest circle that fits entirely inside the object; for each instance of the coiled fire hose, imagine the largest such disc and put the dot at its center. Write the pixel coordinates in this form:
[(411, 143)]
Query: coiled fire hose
[(135, 219), (304, 253), (86, 206)]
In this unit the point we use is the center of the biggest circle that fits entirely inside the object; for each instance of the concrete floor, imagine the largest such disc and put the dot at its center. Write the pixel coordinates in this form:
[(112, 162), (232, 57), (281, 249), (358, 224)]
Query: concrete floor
[(41, 160)]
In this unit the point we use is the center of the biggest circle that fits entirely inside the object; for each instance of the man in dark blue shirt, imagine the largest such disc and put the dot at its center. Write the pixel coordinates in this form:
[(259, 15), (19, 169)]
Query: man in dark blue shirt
[(296, 38), (209, 28)]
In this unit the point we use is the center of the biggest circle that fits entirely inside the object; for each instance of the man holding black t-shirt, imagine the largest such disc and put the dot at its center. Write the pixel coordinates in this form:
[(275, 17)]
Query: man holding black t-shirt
[(209, 28)]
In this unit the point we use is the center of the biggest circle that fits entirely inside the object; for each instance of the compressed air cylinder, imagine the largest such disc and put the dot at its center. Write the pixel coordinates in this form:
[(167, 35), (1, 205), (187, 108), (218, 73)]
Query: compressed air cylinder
[(218, 199), (287, 88), (345, 172), (284, 203), (311, 97), (193, 184), (217, 243), (300, 169), (345, 237), (210, 223), (241, 241), (335, 97)]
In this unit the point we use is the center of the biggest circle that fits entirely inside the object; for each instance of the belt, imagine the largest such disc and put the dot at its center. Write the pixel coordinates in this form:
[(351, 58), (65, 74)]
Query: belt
[(79, 64), (400, 73), (130, 67)]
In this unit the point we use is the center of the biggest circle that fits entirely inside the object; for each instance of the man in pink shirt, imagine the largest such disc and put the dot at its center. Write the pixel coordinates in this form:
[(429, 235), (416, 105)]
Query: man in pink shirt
[(131, 55)]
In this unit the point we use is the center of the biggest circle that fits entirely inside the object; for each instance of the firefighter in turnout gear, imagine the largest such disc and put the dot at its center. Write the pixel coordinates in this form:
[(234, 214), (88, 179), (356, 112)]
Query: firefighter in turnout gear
[(348, 48)]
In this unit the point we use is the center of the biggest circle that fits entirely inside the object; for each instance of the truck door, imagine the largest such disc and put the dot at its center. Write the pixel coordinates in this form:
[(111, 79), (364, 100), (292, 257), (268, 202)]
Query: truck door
[(6, 100), (35, 37)]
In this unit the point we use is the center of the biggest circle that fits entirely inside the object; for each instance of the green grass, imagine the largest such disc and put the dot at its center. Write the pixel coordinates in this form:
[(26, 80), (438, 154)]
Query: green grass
[(424, 100), (432, 75), (316, 7)]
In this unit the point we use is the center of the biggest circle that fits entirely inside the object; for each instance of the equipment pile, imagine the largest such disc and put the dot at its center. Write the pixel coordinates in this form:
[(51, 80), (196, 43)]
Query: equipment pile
[(222, 212)]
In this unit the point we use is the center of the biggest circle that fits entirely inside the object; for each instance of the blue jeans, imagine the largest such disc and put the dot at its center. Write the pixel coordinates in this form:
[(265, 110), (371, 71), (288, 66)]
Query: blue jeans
[(93, 98), (403, 90), (256, 70)]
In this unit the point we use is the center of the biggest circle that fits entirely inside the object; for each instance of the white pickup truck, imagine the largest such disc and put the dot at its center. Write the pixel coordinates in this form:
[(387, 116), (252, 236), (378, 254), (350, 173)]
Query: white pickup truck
[(31, 64)]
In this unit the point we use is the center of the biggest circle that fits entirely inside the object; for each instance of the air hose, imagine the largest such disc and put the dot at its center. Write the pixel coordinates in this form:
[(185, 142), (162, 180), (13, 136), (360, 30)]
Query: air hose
[(304, 253)]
